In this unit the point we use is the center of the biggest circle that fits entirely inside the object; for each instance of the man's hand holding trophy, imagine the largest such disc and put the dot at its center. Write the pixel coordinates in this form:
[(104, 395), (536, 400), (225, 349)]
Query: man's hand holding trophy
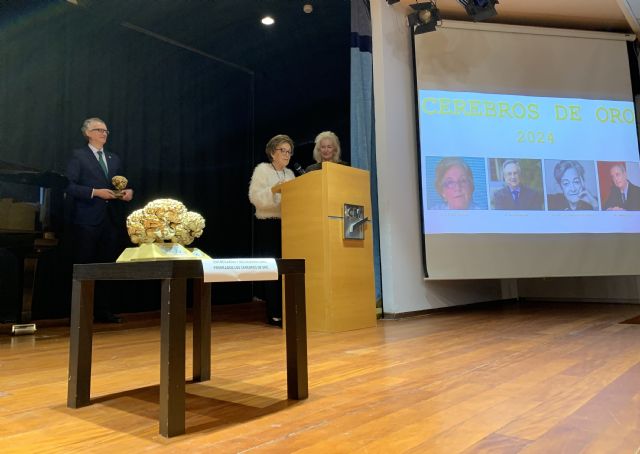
[(120, 183)]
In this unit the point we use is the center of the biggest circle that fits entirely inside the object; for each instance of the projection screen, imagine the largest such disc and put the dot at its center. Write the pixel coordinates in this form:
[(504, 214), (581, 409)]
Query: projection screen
[(528, 153)]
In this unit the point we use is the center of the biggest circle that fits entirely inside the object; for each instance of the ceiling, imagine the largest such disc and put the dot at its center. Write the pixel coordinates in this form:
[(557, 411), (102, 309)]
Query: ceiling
[(300, 63), (231, 29), (602, 15)]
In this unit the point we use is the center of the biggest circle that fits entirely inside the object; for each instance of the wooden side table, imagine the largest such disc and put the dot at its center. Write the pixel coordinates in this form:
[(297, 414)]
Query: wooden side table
[(173, 275)]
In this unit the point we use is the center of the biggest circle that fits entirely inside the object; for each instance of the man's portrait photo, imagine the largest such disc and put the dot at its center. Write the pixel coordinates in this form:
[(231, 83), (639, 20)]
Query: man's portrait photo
[(616, 187), (516, 184)]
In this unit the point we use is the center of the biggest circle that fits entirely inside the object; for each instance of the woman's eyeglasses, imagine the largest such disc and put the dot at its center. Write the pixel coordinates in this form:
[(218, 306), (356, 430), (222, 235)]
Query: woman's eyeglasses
[(462, 183), (285, 151)]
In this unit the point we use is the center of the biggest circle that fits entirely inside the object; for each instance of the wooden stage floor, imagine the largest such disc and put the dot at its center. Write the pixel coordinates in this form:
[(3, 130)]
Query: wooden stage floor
[(512, 378)]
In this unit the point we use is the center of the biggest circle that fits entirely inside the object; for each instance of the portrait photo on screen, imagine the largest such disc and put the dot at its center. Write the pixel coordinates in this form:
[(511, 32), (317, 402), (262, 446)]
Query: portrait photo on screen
[(455, 183), (571, 185), (619, 185), (515, 184)]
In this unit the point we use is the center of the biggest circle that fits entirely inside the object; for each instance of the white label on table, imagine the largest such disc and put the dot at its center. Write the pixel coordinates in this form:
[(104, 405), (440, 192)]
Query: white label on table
[(231, 270)]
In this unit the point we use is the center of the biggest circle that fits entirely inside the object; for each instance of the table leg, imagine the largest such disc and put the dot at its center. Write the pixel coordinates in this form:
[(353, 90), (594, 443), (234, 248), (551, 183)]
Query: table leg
[(201, 330), (296, 337), (28, 286), (80, 342), (172, 345)]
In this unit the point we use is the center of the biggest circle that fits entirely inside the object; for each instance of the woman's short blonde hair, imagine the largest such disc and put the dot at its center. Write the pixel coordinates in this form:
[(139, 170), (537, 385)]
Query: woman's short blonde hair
[(273, 143), (326, 135)]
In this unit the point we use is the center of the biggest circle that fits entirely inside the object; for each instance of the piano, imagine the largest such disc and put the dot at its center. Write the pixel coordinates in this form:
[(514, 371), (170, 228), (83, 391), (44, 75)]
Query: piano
[(31, 221)]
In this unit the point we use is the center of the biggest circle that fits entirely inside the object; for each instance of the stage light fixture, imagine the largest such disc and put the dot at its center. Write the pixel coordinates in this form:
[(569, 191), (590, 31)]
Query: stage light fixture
[(480, 10), (425, 18)]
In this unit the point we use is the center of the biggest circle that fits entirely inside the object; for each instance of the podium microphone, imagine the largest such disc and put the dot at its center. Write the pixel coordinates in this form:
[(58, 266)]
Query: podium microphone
[(298, 168)]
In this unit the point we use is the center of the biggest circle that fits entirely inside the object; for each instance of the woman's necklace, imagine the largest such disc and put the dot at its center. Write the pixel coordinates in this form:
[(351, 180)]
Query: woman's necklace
[(281, 178)]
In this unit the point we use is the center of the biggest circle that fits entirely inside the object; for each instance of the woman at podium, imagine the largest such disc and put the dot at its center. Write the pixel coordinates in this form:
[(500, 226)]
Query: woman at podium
[(327, 149), (267, 239)]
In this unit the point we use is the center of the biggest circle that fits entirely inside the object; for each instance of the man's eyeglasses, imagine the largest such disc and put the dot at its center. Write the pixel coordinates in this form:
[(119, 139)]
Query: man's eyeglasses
[(100, 130), (285, 151)]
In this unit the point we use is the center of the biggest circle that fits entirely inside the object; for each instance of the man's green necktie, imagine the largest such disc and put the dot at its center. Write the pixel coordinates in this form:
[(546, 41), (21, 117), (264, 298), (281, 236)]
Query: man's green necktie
[(102, 164)]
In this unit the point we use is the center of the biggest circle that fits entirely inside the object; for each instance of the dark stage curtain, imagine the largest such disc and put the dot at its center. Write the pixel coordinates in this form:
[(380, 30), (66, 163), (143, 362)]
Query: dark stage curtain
[(181, 122)]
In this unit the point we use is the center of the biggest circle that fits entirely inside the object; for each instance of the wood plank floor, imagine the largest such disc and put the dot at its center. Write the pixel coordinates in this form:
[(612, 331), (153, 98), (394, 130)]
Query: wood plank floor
[(514, 378)]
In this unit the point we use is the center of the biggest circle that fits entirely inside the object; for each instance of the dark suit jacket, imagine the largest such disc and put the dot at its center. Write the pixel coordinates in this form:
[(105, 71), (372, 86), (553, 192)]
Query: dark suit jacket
[(528, 199), (615, 198), (84, 173)]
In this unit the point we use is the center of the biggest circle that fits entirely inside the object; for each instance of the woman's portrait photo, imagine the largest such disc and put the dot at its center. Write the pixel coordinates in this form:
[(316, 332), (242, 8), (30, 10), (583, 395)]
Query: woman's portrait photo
[(456, 183), (571, 185)]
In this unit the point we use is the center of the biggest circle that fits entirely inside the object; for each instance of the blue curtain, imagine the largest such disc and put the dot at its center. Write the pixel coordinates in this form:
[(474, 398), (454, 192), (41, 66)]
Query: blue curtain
[(362, 133)]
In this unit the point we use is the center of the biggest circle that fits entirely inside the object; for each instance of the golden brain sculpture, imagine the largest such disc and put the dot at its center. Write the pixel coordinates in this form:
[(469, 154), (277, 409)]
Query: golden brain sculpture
[(164, 220)]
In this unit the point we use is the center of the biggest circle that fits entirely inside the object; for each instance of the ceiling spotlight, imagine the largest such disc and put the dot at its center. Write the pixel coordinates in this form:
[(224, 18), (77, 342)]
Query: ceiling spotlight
[(480, 10), (307, 8), (268, 20), (425, 18)]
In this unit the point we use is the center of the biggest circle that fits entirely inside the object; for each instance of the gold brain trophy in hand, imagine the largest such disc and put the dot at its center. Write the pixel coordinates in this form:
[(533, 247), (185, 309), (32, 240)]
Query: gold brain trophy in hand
[(120, 183)]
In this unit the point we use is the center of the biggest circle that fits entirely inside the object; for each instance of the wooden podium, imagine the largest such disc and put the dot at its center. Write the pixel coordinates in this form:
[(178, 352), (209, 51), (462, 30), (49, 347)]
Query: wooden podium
[(340, 289)]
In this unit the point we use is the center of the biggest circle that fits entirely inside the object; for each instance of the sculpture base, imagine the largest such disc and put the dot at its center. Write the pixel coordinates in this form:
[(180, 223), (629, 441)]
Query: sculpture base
[(160, 251)]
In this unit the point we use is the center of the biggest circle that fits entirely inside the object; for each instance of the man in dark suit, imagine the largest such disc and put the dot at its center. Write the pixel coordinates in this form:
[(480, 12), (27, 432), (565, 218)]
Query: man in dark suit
[(97, 226), (623, 195), (515, 195)]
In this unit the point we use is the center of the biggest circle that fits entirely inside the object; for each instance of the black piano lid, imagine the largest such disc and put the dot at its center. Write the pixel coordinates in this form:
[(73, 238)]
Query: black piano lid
[(20, 174)]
